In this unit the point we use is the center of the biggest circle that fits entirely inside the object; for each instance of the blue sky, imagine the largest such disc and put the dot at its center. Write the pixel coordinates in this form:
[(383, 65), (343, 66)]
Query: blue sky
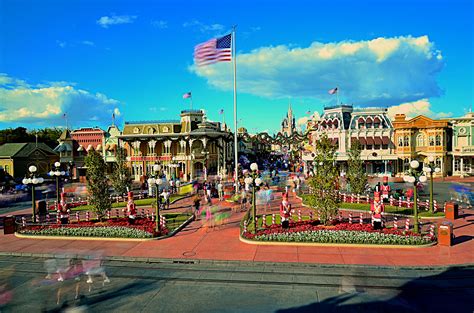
[(90, 58)]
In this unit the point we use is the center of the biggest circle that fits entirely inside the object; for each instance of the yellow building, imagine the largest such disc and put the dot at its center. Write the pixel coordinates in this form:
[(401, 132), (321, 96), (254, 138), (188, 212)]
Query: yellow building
[(421, 137)]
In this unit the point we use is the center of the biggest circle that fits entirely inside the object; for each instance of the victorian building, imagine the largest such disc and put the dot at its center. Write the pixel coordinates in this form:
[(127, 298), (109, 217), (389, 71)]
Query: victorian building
[(344, 125), (463, 145), (74, 145), (421, 137), (186, 148)]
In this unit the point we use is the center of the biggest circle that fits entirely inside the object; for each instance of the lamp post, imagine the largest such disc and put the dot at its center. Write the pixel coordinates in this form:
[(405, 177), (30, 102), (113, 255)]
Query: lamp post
[(206, 153), (430, 168), (414, 176), (33, 181), (254, 180), (156, 181), (57, 173)]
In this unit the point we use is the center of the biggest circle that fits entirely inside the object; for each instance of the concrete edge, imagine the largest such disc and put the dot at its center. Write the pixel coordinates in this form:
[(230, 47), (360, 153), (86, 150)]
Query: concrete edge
[(18, 235), (355, 210), (335, 245), (178, 229), (237, 262)]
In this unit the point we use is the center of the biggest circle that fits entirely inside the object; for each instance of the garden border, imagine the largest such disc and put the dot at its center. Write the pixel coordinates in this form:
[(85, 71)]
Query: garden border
[(174, 232), (345, 245)]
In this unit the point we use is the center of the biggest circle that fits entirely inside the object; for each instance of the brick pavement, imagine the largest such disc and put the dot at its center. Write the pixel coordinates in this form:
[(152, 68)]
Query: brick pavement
[(198, 241)]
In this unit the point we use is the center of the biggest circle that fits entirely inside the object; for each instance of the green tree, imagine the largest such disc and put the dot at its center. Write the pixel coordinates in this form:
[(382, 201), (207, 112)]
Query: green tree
[(121, 179), (356, 177), (97, 183), (324, 195)]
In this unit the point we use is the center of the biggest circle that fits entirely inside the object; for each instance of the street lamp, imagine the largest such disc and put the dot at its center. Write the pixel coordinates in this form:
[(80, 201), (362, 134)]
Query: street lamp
[(33, 181), (254, 180), (414, 176), (155, 181), (57, 173), (205, 153), (430, 168)]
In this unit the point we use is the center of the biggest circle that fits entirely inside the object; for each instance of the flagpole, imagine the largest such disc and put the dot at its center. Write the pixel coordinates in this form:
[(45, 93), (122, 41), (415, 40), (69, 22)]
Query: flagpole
[(224, 173), (191, 100), (337, 95), (235, 111)]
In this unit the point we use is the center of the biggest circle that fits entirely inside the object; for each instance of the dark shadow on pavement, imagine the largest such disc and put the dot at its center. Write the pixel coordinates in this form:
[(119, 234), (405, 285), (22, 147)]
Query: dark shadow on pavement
[(461, 239), (450, 291)]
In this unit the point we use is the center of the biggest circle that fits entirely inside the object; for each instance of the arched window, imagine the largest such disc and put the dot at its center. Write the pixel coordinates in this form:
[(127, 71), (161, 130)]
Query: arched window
[(406, 141), (368, 122), (361, 123), (438, 140), (438, 162), (420, 140), (432, 141), (400, 141), (377, 122)]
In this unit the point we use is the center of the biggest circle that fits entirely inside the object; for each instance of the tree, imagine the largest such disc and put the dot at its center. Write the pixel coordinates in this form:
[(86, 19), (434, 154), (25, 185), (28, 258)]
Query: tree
[(121, 179), (48, 136), (97, 183), (356, 177), (324, 184)]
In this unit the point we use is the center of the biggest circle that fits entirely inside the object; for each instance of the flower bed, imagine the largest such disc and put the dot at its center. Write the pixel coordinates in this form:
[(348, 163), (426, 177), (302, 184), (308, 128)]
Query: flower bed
[(112, 228), (312, 231)]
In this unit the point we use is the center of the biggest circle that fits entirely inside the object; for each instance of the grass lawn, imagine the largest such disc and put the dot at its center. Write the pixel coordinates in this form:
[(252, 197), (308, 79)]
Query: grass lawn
[(388, 209), (174, 220), (139, 202)]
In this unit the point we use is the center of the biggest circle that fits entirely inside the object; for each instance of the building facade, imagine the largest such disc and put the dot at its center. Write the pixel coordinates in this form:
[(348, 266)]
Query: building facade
[(463, 145), (421, 137), (186, 148), (16, 158), (344, 125)]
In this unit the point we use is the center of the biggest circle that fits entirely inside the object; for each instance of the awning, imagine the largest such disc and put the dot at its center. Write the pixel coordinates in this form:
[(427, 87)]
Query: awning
[(99, 147), (81, 148), (385, 140), (378, 140), (361, 140), (370, 140)]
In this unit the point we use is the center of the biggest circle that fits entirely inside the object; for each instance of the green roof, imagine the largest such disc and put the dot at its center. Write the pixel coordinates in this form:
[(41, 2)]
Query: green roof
[(23, 150)]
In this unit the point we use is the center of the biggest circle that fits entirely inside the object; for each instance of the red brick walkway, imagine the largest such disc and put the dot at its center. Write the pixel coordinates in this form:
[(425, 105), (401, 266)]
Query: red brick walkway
[(197, 241)]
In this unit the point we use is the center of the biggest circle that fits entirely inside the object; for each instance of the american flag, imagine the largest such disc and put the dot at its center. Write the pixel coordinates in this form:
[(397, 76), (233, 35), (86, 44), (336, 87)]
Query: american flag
[(213, 51), (308, 112), (187, 95), (221, 111)]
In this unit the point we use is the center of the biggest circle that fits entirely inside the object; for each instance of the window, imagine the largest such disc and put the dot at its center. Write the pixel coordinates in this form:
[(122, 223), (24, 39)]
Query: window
[(438, 140), (457, 165), (406, 141), (438, 163), (466, 165), (369, 147), (376, 147), (406, 165), (7, 169), (384, 147), (400, 141), (420, 140), (431, 141)]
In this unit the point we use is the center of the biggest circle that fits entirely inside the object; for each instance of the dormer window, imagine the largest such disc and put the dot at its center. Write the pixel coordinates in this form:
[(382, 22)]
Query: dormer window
[(136, 130)]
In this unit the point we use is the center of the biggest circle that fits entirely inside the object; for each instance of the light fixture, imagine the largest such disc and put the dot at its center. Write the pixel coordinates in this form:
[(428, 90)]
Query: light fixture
[(254, 167), (32, 168), (427, 169), (414, 164), (156, 167), (258, 181), (437, 170), (423, 179), (431, 158), (57, 164)]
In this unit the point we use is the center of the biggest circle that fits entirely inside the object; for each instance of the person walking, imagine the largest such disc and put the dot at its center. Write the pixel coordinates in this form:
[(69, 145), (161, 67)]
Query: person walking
[(166, 198), (197, 206), (220, 191)]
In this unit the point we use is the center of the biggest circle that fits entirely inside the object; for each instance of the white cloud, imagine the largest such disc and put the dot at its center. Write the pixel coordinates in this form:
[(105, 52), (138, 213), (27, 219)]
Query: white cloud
[(378, 72), (117, 112), (159, 24), (46, 103), (205, 28), (62, 44), (106, 21), (88, 43), (415, 108)]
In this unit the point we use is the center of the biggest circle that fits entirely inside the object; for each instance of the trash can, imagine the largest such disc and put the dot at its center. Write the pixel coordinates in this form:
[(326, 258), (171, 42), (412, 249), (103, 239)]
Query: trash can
[(445, 234), (9, 225), (451, 212)]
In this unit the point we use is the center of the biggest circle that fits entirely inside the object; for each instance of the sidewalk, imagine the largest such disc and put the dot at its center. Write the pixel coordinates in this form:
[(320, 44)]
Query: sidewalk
[(197, 241)]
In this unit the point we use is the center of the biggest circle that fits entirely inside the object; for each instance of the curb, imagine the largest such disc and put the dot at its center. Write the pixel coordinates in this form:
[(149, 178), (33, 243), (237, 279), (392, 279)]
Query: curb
[(334, 245), (235, 263)]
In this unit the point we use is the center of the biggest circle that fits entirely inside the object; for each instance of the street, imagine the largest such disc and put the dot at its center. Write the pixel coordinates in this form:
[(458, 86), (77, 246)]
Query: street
[(217, 286)]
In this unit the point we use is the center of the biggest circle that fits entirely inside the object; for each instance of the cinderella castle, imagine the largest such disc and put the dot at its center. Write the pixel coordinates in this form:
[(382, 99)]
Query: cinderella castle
[(288, 125)]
